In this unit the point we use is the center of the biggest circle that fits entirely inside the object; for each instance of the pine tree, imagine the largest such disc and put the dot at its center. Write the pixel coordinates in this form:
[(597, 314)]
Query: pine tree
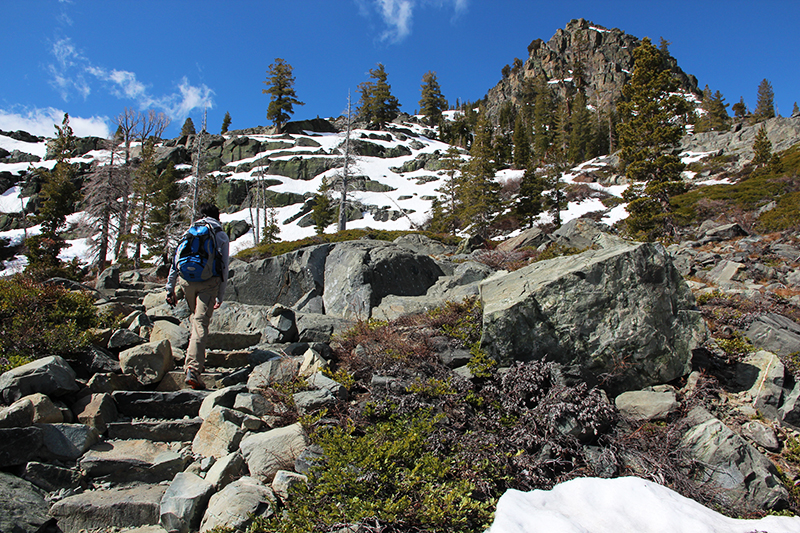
[(58, 196), (542, 118), (164, 221), (188, 127), (322, 213), (271, 229), (648, 134), (765, 103), (226, 122), (580, 130), (280, 88), (530, 202), (716, 116), (479, 192), (522, 143), (377, 104), (762, 147), (446, 213), (432, 102), (739, 109)]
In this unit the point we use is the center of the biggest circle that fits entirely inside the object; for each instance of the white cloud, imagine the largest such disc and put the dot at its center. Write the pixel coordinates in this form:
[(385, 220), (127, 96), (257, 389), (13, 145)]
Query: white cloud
[(43, 121), (72, 72), (398, 15), (66, 77)]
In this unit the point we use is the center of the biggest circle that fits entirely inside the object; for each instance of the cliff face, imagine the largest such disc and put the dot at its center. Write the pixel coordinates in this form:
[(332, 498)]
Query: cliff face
[(605, 55)]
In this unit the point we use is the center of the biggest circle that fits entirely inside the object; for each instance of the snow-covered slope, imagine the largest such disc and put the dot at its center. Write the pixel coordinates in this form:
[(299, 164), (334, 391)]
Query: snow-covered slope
[(411, 192)]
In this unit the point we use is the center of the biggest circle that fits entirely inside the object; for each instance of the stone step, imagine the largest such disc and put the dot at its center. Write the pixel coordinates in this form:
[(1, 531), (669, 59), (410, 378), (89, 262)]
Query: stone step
[(175, 380), (160, 404), (182, 430), (123, 507)]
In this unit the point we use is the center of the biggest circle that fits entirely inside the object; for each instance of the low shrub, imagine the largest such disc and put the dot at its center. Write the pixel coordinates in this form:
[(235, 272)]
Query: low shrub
[(39, 320)]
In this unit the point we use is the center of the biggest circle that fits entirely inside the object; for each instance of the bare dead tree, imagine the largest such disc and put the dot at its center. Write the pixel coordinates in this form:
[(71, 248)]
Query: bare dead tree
[(104, 192), (127, 123)]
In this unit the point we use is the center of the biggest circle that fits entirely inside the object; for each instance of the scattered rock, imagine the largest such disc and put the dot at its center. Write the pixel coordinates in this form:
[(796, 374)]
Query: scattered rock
[(123, 507), (23, 508), (49, 375), (237, 504), (273, 450)]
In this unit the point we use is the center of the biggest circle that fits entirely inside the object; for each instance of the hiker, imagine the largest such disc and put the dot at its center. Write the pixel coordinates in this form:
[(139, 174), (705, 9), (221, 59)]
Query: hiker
[(200, 268)]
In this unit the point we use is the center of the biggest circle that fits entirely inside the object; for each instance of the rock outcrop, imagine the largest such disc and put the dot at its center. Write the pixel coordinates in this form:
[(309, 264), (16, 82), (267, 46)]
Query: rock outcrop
[(605, 56), (622, 314)]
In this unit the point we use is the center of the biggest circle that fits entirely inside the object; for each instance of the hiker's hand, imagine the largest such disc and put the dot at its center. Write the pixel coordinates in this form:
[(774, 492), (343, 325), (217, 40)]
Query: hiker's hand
[(217, 304), (171, 299)]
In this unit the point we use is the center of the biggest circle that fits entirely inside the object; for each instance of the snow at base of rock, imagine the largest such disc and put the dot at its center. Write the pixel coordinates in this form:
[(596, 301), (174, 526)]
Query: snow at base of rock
[(620, 505)]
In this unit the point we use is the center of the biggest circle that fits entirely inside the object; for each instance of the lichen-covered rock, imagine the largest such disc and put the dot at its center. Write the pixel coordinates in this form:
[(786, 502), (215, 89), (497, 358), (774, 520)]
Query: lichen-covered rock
[(622, 311), (740, 472)]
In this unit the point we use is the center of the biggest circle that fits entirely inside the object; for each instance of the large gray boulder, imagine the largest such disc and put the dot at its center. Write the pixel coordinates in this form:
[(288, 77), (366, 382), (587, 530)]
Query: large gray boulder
[(49, 375), (237, 504), (775, 333), (359, 274), (741, 473), (283, 279), (123, 507), (184, 502), (148, 362), (133, 460), (273, 450), (23, 508), (622, 312)]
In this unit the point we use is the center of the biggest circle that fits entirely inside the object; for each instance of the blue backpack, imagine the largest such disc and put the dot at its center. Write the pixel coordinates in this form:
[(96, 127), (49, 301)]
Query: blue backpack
[(197, 257)]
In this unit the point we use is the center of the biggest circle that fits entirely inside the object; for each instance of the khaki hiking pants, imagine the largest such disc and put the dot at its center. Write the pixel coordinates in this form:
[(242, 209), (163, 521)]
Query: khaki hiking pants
[(201, 297)]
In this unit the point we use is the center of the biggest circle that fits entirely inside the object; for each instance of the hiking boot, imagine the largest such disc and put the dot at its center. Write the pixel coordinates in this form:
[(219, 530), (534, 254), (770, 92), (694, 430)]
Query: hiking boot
[(194, 380)]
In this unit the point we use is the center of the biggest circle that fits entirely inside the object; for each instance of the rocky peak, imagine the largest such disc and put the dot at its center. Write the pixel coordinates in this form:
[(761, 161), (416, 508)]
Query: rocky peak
[(606, 57)]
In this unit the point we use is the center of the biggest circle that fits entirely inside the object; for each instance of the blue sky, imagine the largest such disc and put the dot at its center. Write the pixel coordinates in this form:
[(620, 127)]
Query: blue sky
[(93, 58)]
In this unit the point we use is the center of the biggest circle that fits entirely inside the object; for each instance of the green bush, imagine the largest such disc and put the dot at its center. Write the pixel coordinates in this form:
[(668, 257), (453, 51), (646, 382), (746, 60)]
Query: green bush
[(40, 320), (786, 214), (387, 474)]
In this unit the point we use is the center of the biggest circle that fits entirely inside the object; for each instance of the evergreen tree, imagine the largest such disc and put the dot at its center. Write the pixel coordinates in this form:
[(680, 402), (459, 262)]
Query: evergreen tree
[(271, 229), (322, 213), (715, 116), (58, 196), (446, 212), (432, 102), (377, 104), (580, 135), (530, 202), (762, 148), (765, 103), (282, 97), (164, 221), (522, 143), (226, 122), (648, 134), (542, 119), (188, 127), (479, 192), (739, 109)]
